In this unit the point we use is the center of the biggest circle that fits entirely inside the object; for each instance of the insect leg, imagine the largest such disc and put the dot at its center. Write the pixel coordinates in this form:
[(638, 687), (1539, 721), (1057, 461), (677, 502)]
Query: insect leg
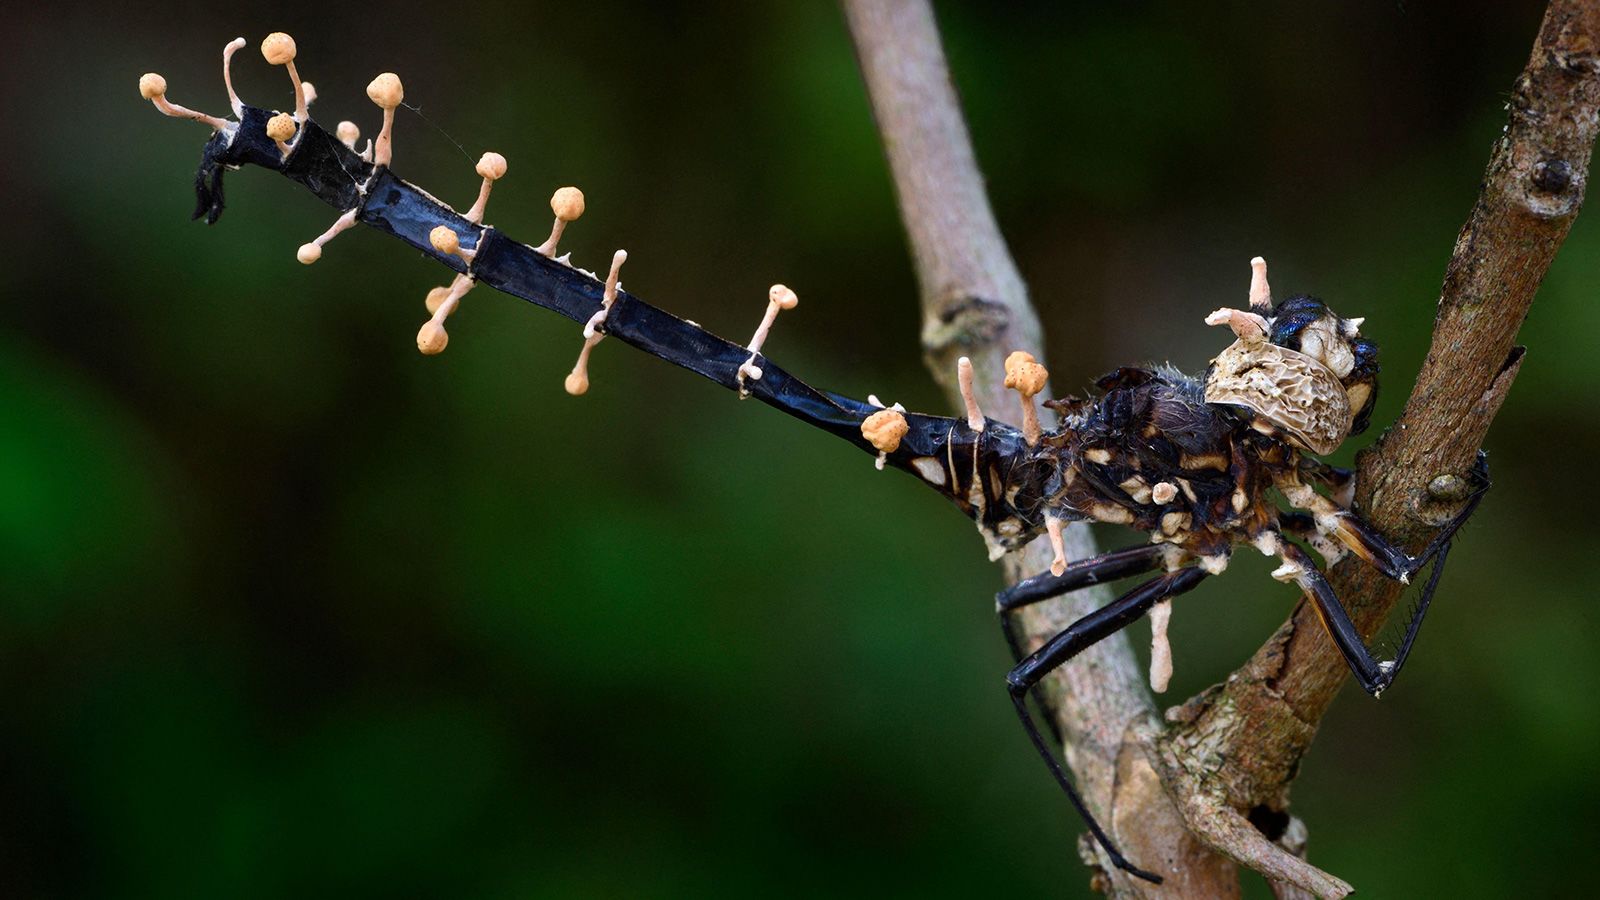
[(1084, 573), (1081, 574), (1375, 676), (1077, 637)]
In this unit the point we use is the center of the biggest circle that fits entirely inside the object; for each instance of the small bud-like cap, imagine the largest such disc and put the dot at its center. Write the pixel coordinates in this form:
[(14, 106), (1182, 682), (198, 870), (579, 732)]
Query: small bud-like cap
[(347, 132), (152, 86), (444, 240), (785, 298), (278, 48), (577, 384), (432, 338), (280, 127), (386, 90), (492, 166), (308, 253), (567, 204)]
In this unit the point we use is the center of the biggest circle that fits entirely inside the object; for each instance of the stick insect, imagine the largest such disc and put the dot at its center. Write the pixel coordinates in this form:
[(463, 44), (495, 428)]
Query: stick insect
[(1199, 464)]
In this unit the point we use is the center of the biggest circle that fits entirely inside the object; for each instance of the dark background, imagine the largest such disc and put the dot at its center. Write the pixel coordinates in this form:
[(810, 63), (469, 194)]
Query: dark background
[(287, 609)]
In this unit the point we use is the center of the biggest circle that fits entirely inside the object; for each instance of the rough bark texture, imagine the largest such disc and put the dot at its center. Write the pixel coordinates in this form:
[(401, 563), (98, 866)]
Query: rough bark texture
[(1218, 774)]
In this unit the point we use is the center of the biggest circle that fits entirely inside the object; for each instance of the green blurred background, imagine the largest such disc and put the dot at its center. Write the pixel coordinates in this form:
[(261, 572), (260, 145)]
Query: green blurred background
[(289, 609)]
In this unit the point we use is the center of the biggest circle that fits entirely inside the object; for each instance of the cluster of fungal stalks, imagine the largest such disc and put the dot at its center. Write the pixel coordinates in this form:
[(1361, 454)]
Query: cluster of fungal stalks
[(388, 93)]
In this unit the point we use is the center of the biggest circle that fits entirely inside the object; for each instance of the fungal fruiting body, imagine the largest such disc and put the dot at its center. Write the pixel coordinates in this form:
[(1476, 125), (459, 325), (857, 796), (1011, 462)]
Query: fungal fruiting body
[(1200, 464)]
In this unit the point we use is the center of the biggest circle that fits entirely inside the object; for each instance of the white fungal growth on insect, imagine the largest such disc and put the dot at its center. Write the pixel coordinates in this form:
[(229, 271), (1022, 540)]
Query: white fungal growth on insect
[(778, 298), (1160, 647), (1260, 292), (1291, 390), (931, 470), (1163, 492), (1291, 570), (1058, 546)]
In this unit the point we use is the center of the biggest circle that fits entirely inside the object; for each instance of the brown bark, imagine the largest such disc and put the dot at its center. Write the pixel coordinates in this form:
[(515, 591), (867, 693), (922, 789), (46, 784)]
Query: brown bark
[(1171, 795)]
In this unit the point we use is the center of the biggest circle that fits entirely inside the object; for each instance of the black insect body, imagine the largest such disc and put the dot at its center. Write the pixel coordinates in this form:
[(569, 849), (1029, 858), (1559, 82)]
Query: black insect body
[(1200, 464)]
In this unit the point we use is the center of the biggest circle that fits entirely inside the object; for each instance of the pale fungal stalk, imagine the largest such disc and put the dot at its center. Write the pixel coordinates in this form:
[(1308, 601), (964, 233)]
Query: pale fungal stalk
[(567, 204), (1027, 377), (608, 296), (227, 75), (1160, 647), (431, 337), (278, 49), (577, 381), (387, 92), (968, 398), (1260, 292), (310, 253), (778, 298), (1251, 326), (491, 167), (153, 87), (1052, 526)]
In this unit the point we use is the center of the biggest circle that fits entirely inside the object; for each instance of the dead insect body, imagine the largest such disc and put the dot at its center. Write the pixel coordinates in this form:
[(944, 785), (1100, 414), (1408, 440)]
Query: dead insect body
[(1201, 464)]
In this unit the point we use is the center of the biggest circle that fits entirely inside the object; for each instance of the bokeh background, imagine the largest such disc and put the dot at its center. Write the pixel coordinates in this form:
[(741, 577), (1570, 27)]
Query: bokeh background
[(287, 609)]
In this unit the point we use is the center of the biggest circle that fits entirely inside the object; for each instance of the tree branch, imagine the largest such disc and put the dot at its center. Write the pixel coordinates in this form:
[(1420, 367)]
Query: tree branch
[(1241, 742), (1236, 748), (974, 304)]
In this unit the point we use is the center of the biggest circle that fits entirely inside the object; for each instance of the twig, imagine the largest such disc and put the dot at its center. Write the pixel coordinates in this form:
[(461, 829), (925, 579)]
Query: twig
[(974, 304)]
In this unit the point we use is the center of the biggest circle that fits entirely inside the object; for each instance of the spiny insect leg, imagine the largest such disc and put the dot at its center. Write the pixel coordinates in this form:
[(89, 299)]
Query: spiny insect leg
[(1375, 676), (1077, 637)]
